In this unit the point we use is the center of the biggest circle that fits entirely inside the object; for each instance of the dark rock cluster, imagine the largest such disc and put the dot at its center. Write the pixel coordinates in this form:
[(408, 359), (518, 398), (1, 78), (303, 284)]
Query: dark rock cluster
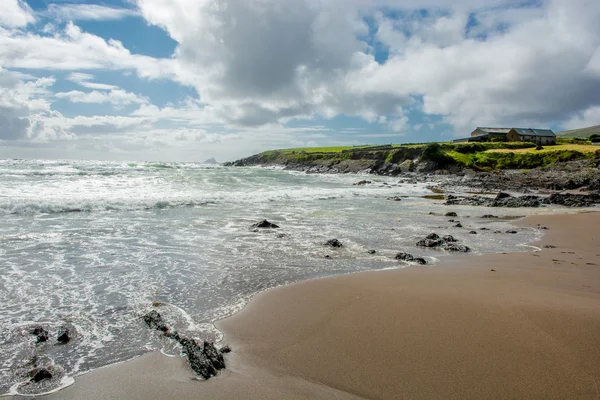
[(204, 358), (506, 200), (410, 258), (448, 243), (265, 224)]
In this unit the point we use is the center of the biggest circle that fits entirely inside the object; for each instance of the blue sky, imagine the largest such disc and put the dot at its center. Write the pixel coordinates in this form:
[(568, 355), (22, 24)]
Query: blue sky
[(189, 80)]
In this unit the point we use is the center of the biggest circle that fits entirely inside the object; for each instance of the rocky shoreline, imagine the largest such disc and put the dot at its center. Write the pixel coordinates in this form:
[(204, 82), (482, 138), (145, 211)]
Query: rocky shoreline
[(571, 183)]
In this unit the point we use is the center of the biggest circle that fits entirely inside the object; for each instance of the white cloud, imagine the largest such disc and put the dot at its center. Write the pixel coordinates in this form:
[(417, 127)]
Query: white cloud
[(94, 12), (116, 97), (15, 14), (83, 79), (72, 49)]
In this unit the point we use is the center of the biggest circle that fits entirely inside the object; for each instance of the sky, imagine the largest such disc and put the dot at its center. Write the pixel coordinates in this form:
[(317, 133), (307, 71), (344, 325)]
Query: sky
[(187, 80)]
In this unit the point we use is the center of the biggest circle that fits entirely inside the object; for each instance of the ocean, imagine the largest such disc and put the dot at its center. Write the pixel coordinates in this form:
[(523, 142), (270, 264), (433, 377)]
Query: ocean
[(93, 245)]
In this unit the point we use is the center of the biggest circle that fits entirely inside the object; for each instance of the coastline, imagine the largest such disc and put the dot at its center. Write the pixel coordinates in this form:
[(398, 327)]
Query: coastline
[(529, 329)]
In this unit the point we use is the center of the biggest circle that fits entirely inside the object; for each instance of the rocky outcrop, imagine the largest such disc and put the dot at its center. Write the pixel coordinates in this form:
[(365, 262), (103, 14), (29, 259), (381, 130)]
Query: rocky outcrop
[(410, 258), (204, 358), (334, 243), (506, 200), (265, 224), (64, 335), (448, 243), (40, 333)]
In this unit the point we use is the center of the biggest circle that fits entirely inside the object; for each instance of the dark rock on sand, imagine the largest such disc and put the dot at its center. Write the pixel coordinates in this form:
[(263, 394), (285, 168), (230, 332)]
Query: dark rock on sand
[(40, 374), (512, 232), (265, 224), (41, 333), (361, 183), (448, 243), (549, 246), (484, 229), (451, 214), (457, 248), (573, 200), (334, 243), (410, 258), (473, 232), (371, 252), (459, 225), (225, 349), (502, 195), (63, 335), (394, 198), (205, 360), (489, 216)]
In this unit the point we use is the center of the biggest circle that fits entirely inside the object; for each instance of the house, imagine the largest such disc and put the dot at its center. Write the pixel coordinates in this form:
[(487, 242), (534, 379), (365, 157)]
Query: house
[(537, 136), (482, 134)]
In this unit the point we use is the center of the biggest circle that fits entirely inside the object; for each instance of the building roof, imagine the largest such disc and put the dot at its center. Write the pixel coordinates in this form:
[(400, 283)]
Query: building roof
[(493, 130), (534, 132)]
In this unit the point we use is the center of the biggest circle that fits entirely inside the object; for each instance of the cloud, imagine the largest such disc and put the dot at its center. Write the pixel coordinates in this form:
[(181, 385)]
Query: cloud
[(116, 97), (83, 79), (15, 14), (90, 12), (589, 117), (75, 50)]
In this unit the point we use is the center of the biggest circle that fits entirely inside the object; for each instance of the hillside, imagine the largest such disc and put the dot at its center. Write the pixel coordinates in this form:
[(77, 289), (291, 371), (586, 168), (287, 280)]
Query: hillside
[(396, 159), (580, 133)]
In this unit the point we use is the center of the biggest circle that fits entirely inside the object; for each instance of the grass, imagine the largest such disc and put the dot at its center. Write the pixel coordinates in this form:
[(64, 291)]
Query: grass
[(580, 133), (583, 148)]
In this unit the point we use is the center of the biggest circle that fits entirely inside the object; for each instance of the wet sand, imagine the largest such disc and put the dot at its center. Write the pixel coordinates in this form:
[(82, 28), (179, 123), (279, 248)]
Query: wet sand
[(530, 329)]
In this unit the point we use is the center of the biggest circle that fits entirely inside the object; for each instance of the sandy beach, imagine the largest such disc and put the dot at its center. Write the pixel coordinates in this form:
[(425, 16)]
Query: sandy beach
[(501, 326)]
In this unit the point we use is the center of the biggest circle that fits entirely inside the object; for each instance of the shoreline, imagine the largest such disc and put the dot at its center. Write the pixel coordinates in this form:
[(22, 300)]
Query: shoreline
[(269, 364)]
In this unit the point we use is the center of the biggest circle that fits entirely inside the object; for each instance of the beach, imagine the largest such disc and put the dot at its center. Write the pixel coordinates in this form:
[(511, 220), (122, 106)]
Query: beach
[(496, 326)]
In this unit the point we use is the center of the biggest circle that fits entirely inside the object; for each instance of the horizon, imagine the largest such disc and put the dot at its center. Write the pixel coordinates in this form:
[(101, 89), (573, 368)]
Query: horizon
[(178, 81)]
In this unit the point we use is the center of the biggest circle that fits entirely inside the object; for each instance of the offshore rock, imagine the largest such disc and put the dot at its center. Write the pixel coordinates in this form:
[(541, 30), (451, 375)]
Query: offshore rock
[(448, 243), (41, 333), (63, 335), (334, 243), (40, 374), (265, 224), (410, 258)]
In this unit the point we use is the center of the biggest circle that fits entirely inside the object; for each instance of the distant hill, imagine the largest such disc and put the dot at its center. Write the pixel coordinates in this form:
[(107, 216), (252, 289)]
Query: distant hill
[(580, 133), (211, 161)]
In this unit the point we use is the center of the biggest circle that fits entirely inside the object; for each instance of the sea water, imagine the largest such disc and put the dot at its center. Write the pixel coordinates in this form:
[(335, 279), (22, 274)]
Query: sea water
[(93, 245)]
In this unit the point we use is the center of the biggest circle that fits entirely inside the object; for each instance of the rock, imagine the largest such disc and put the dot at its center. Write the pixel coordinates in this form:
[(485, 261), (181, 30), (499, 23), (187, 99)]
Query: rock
[(213, 355), (371, 252), (457, 248), (497, 231), (41, 333), (361, 183), (473, 232), (549, 246), (493, 270), (334, 243), (512, 232), (394, 198), (451, 220), (40, 374), (451, 214), (489, 216), (265, 224), (522, 201), (502, 195), (449, 238), (433, 236), (63, 335), (430, 243), (484, 229), (154, 320), (199, 362), (205, 360), (459, 225), (225, 349), (327, 256), (410, 258), (573, 200)]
